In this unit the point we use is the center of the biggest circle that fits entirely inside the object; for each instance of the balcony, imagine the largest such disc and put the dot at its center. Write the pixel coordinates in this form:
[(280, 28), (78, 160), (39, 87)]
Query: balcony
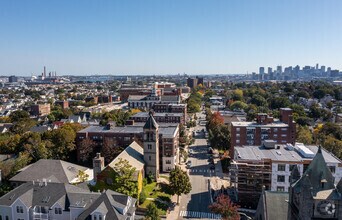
[(40, 216)]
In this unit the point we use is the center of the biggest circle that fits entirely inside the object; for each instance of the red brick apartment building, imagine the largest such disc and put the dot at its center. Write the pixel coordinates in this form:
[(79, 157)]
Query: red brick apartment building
[(264, 128), (40, 110)]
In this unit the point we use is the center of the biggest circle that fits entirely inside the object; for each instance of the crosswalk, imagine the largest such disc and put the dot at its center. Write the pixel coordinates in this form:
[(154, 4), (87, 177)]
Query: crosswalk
[(201, 171), (192, 214)]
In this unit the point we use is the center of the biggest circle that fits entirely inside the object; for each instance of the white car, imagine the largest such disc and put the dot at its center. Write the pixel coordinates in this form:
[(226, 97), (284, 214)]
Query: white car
[(188, 164)]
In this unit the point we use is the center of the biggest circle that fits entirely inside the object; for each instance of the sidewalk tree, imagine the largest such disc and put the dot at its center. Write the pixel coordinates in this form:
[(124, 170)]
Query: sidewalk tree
[(225, 208), (179, 182), (152, 212)]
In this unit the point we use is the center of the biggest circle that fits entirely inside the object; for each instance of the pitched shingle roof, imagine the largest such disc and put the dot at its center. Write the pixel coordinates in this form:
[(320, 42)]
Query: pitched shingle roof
[(151, 123), (55, 170)]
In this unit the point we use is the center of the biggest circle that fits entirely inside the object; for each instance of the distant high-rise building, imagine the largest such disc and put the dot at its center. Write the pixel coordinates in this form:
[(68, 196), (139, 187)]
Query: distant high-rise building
[(192, 82), (279, 69), (269, 70), (12, 79), (323, 69), (261, 70), (317, 66), (200, 80)]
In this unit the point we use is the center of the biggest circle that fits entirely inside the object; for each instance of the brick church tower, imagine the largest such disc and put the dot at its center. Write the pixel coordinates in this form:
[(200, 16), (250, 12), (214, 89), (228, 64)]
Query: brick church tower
[(151, 147)]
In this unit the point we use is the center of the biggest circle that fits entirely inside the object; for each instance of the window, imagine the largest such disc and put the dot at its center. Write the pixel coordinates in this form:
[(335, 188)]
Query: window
[(149, 146), (332, 169), (275, 129), (280, 189), (237, 129), (20, 209), (280, 178), (149, 158), (238, 141), (100, 217), (275, 135), (281, 167), (168, 161), (237, 135), (284, 135), (284, 129), (58, 211)]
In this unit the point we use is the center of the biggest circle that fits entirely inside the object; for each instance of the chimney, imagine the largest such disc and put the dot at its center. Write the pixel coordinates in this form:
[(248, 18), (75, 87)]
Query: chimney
[(98, 165)]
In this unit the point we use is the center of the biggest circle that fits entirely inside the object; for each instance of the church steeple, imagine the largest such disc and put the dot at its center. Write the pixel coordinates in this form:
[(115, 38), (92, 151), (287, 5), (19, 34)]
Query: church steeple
[(319, 174), (151, 147), (295, 175)]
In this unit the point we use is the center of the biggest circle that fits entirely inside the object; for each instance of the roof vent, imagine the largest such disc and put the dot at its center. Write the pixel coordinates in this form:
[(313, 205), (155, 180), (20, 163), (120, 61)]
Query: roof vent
[(269, 144)]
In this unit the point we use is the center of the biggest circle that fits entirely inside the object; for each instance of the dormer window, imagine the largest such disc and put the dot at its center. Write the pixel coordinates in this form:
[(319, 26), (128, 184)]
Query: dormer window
[(97, 216), (58, 211)]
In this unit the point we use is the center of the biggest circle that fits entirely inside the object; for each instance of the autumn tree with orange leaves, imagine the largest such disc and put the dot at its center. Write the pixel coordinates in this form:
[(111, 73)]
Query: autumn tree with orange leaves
[(225, 208)]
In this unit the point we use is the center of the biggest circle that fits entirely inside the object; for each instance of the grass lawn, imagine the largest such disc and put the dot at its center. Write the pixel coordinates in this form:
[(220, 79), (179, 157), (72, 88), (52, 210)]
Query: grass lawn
[(160, 191), (162, 209)]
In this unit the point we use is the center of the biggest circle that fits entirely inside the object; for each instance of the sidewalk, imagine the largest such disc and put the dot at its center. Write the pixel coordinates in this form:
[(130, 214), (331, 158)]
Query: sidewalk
[(174, 214)]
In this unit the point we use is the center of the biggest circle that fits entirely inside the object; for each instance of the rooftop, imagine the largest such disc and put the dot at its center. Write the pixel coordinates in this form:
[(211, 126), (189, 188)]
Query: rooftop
[(255, 124), (282, 153), (166, 129), (157, 114)]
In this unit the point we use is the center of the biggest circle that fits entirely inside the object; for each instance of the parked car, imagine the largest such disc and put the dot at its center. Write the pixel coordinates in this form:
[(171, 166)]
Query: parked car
[(190, 151), (212, 166), (188, 164)]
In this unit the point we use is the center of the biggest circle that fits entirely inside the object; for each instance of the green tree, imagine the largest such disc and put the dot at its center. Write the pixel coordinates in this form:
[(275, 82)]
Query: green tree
[(22, 126), (152, 212), (179, 182), (124, 181), (19, 115), (304, 135), (238, 105), (225, 208), (82, 176), (258, 100), (237, 95), (279, 102)]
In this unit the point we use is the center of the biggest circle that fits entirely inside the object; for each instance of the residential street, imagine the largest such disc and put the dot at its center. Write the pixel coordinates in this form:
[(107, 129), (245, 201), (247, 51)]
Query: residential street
[(195, 204)]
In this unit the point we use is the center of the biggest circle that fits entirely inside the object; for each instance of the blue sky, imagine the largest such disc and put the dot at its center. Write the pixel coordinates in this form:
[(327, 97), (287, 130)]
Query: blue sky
[(167, 36)]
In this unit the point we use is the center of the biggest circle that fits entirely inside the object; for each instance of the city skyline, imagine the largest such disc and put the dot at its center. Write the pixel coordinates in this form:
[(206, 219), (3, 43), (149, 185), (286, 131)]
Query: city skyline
[(167, 37)]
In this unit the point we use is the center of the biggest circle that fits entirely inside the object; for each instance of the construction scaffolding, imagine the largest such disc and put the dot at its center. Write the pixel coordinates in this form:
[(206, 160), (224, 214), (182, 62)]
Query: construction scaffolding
[(248, 179)]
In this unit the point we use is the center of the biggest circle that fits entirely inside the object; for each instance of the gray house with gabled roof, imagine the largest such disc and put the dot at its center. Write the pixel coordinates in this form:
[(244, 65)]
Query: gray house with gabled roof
[(57, 171), (60, 201)]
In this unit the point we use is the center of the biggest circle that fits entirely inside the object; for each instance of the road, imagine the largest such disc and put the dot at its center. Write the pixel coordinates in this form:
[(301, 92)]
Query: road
[(195, 204)]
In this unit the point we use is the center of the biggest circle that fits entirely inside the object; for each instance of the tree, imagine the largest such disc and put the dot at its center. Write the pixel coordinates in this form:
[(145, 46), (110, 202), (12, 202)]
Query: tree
[(22, 126), (63, 142), (304, 135), (238, 105), (82, 176), (219, 137), (258, 100), (19, 115), (237, 95), (179, 182), (123, 180), (110, 149), (225, 208), (152, 212), (86, 149)]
